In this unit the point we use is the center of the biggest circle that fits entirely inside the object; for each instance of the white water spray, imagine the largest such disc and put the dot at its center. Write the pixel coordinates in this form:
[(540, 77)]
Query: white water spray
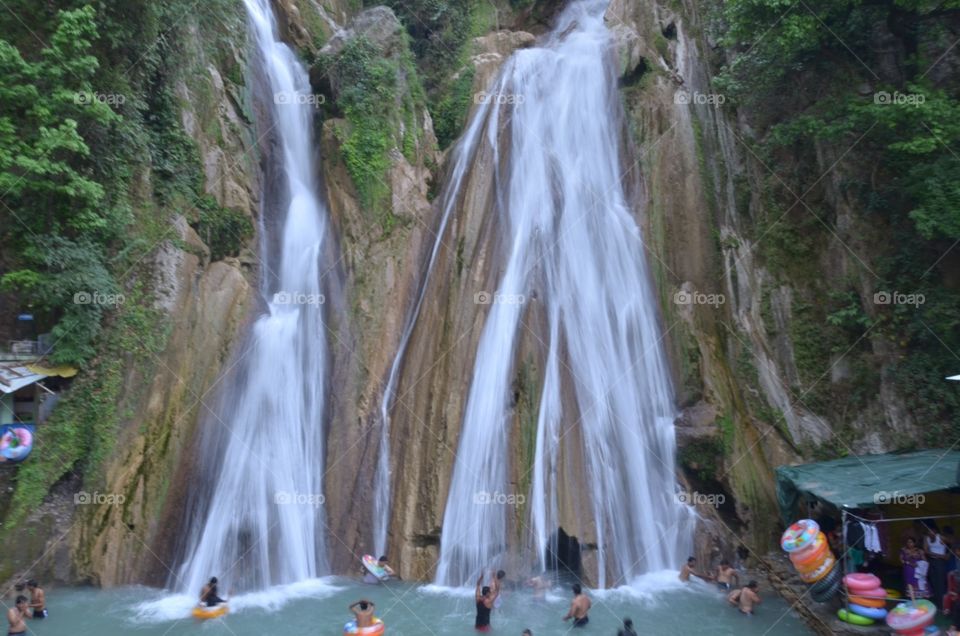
[(264, 521), (567, 228)]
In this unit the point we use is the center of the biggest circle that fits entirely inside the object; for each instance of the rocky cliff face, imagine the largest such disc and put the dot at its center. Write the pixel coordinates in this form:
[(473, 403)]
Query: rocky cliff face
[(739, 330)]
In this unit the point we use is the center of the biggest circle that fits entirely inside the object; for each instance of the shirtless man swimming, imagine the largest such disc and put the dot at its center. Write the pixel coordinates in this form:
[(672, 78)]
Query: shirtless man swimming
[(363, 612), (726, 576), (578, 607), (688, 570), (745, 599), (38, 600), (15, 616)]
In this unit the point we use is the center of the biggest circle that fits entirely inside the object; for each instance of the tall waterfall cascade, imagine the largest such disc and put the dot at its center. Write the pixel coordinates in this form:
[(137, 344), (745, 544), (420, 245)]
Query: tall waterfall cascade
[(552, 126), (263, 523)]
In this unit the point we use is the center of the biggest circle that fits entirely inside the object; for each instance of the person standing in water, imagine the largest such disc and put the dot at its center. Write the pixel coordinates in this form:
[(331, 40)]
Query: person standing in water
[(726, 576), (540, 585), (363, 612), (369, 577), (485, 599), (688, 571), (578, 607), (627, 629), (745, 599), (496, 586), (208, 595), (38, 600), (15, 616)]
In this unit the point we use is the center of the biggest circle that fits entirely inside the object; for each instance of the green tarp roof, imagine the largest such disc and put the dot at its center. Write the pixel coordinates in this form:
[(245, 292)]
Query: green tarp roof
[(861, 481)]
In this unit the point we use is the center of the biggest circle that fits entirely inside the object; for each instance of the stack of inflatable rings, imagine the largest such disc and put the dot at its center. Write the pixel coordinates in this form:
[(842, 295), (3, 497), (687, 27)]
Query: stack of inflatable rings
[(827, 587), (809, 551), (910, 619), (866, 600)]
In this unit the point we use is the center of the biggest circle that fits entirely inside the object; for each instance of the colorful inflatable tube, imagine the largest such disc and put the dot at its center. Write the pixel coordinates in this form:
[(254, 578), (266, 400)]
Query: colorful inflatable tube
[(374, 630), (876, 613), (860, 582), (16, 442), (202, 612), (799, 535), (911, 617), (866, 601), (853, 619)]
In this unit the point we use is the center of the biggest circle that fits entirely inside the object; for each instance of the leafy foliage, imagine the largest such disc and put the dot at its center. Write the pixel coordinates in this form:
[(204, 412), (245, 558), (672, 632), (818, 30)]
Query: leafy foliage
[(814, 76)]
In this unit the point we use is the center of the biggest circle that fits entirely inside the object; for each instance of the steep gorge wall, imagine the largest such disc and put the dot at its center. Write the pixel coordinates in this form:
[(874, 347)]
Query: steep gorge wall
[(743, 368)]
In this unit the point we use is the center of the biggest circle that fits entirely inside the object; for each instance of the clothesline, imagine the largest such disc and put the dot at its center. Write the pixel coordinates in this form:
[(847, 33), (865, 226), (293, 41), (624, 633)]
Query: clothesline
[(889, 519)]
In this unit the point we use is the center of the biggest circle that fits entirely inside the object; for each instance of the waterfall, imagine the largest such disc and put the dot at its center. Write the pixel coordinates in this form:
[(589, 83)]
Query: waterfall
[(462, 158), (262, 522), (567, 229)]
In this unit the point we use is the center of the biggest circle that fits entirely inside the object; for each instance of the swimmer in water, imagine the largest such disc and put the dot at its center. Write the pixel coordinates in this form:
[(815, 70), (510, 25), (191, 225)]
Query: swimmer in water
[(372, 579), (578, 607), (496, 586), (485, 599), (208, 595), (746, 598), (540, 585), (15, 616), (727, 577), (627, 628), (363, 612), (688, 570)]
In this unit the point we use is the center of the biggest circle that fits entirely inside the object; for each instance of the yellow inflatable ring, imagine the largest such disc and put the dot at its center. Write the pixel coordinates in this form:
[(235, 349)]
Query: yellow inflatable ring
[(203, 612)]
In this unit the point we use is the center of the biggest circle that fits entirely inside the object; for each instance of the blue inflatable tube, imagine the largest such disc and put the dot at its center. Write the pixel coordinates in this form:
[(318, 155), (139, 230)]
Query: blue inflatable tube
[(876, 613)]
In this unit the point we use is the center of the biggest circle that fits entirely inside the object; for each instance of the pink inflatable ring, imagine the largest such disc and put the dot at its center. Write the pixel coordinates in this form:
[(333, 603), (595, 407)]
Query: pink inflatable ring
[(911, 617), (859, 581), (799, 535), (878, 593)]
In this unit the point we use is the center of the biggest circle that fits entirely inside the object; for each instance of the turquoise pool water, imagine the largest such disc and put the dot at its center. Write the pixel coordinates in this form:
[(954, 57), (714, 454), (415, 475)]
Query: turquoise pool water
[(658, 604)]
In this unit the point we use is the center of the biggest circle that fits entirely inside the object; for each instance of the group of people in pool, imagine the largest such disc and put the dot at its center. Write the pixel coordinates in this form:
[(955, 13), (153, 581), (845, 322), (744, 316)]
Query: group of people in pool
[(23, 608), (488, 598), (745, 598)]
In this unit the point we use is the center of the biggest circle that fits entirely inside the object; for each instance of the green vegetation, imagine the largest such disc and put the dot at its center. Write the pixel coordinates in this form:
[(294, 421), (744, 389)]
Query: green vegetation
[(451, 109), (381, 98), (440, 32), (223, 230), (59, 220), (94, 164), (80, 434), (820, 90)]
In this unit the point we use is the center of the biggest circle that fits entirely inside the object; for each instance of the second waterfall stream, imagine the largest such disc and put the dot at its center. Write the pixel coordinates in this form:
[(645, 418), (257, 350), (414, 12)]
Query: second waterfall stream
[(552, 125)]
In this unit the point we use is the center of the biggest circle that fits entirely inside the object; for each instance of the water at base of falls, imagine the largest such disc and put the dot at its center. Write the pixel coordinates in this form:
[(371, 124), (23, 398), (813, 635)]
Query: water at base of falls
[(660, 606), (262, 524), (568, 233)]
